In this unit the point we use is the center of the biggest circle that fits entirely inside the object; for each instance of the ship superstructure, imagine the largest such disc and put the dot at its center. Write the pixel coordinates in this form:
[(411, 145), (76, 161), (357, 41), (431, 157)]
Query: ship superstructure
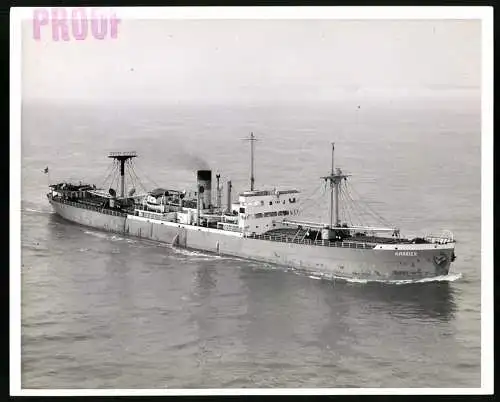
[(263, 225)]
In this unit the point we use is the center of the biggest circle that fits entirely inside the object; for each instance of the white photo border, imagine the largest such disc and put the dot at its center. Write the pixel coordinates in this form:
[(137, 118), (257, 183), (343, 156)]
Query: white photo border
[(483, 13)]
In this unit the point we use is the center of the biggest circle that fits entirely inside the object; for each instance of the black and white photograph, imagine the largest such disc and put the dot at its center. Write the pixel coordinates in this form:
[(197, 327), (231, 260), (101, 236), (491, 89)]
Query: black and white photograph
[(234, 200)]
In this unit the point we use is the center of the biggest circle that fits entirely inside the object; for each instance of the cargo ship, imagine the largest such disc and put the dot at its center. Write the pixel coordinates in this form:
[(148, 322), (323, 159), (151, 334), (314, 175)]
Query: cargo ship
[(263, 225)]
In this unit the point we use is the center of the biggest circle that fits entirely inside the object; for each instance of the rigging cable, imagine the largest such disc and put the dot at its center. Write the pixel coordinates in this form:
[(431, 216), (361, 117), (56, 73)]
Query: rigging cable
[(111, 170), (341, 206), (353, 207), (349, 210), (377, 219), (345, 210), (313, 205), (302, 203), (370, 210), (115, 177), (132, 181), (348, 213), (146, 176), (138, 179), (106, 174)]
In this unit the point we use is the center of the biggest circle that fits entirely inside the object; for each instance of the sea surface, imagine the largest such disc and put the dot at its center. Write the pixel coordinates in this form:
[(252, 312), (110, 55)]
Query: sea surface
[(107, 311)]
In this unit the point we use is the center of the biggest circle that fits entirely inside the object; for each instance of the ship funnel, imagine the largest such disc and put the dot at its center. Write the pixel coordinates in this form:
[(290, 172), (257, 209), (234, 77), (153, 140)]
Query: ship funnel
[(204, 178)]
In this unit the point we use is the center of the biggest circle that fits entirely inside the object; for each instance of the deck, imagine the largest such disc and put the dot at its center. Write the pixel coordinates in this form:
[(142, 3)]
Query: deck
[(298, 237), (90, 205)]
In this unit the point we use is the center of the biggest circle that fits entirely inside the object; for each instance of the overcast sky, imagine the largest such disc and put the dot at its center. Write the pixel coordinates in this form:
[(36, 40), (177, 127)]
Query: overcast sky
[(257, 59)]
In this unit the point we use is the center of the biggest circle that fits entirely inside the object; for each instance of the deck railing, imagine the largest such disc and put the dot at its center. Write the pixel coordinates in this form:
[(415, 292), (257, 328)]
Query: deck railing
[(148, 215), (282, 239), (324, 243), (439, 239), (89, 207), (228, 227)]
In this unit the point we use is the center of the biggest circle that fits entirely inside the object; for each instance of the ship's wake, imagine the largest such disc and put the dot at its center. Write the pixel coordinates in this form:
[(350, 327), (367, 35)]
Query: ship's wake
[(442, 278), (197, 255), (108, 236), (191, 254), (38, 211), (323, 276)]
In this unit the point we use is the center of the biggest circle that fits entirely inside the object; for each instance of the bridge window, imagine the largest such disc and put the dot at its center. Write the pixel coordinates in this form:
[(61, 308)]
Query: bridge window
[(270, 203), (257, 216), (242, 210)]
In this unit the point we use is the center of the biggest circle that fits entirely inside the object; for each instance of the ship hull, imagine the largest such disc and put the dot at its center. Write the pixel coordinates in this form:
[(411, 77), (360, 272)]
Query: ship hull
[(405, 262), (89, 217)]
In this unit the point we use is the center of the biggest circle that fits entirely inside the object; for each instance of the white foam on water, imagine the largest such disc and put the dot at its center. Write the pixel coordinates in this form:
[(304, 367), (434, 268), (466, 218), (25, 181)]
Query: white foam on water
[(441, 278), (315, 277), (106, 236), (353, 280), (197, 255), (38, 211), (189, 253), (327, 276), (96, 234)]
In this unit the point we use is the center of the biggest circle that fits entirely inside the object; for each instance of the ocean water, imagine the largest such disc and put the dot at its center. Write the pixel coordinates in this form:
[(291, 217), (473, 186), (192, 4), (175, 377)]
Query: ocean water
[(105, 311)]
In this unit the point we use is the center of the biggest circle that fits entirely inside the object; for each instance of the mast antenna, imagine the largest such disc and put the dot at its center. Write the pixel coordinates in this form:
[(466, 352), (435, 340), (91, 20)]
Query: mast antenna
[(252, 139)]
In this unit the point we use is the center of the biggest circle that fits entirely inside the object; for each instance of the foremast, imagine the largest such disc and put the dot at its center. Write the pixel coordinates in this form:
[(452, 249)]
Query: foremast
[(335, 178)]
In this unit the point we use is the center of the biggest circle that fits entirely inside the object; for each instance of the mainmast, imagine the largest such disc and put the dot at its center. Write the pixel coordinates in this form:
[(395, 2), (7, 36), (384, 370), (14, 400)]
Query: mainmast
[(331, 192), (252, 139), (335, 179), (122, 157)]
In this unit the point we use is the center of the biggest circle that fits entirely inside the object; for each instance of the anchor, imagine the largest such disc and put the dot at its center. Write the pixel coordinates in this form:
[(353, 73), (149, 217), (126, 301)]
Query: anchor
[(440, 262)]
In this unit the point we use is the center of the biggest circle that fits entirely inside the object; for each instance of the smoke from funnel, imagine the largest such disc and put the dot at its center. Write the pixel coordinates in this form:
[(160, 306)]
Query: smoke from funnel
[(189, 162), (188, 159)]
